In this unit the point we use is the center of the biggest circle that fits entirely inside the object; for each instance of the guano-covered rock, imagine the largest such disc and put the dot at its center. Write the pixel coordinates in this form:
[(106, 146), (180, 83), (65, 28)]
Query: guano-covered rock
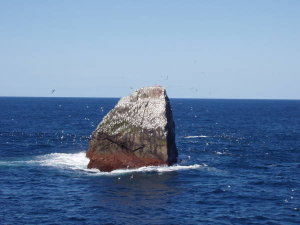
[(138, 131)]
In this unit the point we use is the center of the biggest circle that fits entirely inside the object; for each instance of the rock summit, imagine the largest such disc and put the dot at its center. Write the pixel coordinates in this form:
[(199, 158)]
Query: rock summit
[(139, 131)]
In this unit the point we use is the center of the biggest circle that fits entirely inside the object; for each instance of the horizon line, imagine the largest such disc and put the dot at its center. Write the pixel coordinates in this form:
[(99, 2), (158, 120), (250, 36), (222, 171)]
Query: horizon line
[(289, 99)]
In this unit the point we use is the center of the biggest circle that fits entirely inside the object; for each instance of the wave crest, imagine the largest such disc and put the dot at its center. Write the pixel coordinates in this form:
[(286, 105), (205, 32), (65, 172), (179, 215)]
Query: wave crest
[(198, 136)]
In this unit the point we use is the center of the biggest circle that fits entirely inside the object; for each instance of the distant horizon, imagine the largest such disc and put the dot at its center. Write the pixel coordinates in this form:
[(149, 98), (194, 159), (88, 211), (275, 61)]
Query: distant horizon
[(168, 96)]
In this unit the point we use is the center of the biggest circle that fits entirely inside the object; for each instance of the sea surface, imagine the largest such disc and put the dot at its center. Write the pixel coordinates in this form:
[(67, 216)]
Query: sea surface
[(239, 164)]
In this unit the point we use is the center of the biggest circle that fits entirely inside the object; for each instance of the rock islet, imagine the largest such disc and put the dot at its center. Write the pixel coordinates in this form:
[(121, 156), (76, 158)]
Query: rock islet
[(138, 131)]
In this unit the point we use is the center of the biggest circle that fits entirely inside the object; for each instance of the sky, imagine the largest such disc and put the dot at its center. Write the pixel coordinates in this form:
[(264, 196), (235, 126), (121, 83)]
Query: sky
[(196, 49)]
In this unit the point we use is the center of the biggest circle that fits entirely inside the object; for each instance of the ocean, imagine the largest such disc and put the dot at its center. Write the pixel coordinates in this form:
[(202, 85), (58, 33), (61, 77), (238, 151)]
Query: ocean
[(239, 163)]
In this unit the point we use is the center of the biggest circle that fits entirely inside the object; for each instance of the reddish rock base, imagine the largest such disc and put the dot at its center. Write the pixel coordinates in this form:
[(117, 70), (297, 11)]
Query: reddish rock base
[(109, 162)]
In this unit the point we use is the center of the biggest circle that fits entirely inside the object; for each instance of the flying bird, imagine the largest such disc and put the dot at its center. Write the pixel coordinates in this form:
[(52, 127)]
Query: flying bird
[(165, 77), (52, 91)]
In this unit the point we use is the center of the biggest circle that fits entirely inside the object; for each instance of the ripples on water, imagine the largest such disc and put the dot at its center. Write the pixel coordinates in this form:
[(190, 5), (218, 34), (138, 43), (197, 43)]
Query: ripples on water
[(239, 164)]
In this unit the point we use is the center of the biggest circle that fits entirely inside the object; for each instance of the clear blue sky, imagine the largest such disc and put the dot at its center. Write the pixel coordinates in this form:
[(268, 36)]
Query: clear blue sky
[(197, 49)]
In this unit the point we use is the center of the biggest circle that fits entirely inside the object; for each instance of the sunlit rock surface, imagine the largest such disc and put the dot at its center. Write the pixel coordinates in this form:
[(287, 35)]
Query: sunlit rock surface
[(138, 131)]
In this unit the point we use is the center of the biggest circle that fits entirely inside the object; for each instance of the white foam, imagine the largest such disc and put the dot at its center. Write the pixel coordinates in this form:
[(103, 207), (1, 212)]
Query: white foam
[(220, 153), (199, 136), (78, 162), (75, 161), (159, 169)]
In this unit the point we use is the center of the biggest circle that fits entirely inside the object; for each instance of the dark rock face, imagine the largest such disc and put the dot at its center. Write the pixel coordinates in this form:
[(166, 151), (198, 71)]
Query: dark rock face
[(138, 131)]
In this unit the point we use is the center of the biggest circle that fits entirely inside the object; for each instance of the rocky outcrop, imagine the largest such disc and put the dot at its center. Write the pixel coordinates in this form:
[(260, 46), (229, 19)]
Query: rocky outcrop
[(138, 131)]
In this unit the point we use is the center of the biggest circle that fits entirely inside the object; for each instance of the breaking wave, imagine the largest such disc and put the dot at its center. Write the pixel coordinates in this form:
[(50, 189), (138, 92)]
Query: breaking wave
[(199, 136), (78, 162)]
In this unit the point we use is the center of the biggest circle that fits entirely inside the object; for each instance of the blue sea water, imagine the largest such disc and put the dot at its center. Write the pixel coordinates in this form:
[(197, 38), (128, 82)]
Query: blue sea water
[(239, 164)]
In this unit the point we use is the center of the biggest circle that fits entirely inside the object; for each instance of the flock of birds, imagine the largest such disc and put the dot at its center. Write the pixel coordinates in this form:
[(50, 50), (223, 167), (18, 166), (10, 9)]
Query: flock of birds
[(163, 77)]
